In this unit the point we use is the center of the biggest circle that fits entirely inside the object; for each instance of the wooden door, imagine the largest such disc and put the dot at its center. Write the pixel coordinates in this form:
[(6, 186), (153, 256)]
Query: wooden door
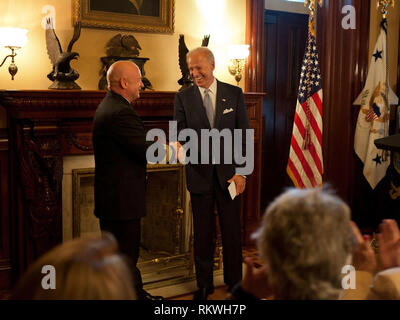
[(285, 40)]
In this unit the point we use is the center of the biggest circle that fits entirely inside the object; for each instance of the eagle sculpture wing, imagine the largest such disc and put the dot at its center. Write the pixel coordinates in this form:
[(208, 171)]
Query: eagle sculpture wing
[(53, 44), (77, 33), (114, 41), (183, 50), (205, 41), (130, 42)]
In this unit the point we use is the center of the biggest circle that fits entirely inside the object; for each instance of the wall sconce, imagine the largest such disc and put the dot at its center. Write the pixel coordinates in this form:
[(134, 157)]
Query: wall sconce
[(12, 38), (237, 55)]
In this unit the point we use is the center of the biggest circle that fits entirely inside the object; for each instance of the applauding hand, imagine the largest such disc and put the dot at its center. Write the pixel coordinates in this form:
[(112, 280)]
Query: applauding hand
[(255, 280), (389, 244), (363, 255)]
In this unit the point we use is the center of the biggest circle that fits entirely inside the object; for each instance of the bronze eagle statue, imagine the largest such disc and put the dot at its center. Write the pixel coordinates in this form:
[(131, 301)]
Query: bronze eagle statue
[(123, 46), (186, 81), (62, 75)]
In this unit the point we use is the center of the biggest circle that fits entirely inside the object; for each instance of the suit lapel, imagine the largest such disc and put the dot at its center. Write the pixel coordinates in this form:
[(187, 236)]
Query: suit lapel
[(219, 103), (199, 107)]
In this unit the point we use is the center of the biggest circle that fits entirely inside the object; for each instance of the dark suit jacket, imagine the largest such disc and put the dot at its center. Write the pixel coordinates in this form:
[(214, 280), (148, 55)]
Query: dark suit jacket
[(189, 112), (119, 141)]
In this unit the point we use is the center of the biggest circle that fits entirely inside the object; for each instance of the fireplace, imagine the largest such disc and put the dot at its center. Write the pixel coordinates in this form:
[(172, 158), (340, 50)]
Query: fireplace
[(166, 242)]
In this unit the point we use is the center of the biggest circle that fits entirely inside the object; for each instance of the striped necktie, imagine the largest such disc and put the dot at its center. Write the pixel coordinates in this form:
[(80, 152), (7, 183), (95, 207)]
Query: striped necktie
[(209, 107)]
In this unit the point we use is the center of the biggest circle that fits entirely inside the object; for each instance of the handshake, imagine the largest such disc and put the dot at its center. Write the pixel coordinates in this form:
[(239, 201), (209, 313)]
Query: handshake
[(174, 153)]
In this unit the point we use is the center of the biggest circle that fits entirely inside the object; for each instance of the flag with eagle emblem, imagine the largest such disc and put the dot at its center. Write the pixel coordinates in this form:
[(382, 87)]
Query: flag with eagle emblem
[(373, 118)]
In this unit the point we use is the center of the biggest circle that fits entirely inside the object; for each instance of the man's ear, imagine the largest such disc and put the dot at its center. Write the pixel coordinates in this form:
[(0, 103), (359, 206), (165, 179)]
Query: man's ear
[(123, 83)]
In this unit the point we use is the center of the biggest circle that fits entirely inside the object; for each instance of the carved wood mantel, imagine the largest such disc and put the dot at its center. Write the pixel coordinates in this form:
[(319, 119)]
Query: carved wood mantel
[(45, 126)]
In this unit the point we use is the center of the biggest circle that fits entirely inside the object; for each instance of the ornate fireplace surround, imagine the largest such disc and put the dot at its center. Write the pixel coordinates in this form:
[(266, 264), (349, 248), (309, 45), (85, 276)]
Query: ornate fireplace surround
[(43, 127)]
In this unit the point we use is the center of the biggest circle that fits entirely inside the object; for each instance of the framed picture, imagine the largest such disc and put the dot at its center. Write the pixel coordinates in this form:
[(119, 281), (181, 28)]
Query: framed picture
[(154, 16)]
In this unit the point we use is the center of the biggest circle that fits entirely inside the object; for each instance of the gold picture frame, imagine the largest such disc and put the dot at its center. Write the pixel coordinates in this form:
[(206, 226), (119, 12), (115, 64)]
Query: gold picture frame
[(112, 14)]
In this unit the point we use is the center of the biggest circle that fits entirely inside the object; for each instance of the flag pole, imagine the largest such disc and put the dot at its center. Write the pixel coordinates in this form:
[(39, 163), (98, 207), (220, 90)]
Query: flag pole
[(312, 6), (385, 4)]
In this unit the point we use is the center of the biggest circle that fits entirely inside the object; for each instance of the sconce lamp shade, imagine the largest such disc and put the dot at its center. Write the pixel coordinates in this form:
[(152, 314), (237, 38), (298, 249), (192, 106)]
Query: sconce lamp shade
[(238, 51), (13, 37)]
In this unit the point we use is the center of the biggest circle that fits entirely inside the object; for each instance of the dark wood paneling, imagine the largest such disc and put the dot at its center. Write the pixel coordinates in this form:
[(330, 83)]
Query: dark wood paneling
[(398, 73), (254, 73), (5, 263), (251, 198), (344, 63), (46, 125)]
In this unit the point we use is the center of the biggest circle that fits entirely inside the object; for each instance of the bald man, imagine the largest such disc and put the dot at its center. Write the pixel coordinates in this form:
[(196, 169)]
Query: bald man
[(119, 142)]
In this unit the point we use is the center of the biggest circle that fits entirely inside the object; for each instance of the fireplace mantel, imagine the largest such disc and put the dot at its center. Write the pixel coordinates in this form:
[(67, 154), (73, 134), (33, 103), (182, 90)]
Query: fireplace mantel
[(46, 125)]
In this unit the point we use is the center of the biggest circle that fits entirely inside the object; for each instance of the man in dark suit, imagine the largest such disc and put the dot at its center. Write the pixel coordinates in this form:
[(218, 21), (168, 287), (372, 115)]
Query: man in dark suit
[(119, 141), (212, 104)]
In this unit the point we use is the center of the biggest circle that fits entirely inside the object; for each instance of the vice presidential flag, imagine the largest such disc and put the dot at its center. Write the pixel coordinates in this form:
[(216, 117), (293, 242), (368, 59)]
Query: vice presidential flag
[(373, 118)]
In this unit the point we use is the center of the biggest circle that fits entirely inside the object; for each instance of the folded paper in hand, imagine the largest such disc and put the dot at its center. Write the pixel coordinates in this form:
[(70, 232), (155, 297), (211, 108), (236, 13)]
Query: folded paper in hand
[(232, 190)]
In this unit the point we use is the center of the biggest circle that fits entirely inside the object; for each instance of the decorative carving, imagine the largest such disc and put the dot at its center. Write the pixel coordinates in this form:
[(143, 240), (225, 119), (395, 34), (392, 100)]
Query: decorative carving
[(186, 81), (40, 178), (123, 48), (82, 143), (62, 75), (108, 61)]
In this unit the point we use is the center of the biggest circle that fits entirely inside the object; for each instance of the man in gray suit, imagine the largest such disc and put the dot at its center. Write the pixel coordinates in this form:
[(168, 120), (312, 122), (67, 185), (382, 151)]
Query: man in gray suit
[(206, 105)]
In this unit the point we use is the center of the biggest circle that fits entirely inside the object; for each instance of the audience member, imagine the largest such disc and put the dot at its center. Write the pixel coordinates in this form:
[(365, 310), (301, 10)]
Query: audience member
[(304, 241), (85, 269), (377, 276)]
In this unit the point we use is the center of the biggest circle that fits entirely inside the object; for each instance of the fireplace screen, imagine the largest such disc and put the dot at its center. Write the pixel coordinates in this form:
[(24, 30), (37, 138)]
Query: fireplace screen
[(165, 253)]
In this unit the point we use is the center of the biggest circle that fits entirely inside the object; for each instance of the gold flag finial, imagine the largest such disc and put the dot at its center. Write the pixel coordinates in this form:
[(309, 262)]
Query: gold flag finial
[(384, 4), (312, 6)]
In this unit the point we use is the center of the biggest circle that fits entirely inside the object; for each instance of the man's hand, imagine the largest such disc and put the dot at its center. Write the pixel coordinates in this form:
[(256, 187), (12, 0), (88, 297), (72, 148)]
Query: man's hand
[(175, 146), (389, 244), (363, 255), (255, 280), (240, 183)]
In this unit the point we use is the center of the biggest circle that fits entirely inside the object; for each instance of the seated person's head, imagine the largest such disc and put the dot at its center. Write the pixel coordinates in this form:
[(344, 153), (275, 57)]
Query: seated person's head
[(85, 268), (305, 239)]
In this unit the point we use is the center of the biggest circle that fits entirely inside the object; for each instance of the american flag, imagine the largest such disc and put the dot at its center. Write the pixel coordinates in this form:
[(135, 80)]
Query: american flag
[(305, 164)]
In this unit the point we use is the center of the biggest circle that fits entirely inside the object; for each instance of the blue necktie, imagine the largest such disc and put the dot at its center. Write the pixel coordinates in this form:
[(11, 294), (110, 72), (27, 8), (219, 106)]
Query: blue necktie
[(209, 108)]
